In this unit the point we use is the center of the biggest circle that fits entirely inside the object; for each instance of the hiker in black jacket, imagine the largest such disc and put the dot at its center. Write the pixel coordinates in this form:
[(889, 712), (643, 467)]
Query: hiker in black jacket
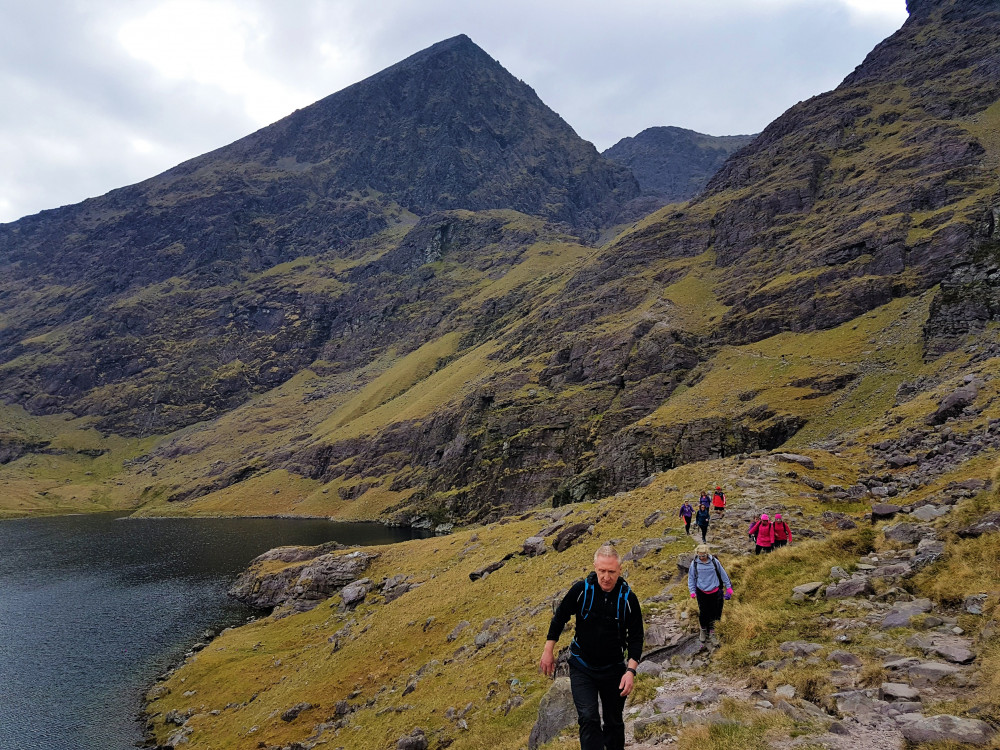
[(608, 625)]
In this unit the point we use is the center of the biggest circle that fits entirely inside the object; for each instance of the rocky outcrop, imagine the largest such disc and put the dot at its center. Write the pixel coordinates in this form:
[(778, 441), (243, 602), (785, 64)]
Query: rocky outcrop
[(299, 577), (555, 712)]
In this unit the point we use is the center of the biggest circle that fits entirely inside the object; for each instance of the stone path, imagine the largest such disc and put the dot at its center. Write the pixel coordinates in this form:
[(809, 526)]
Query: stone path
[(689, 690)]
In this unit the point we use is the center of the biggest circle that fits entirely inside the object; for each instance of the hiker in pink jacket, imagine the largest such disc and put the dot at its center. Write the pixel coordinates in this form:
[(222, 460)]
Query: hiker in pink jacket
[(762, 533), (782, 534)]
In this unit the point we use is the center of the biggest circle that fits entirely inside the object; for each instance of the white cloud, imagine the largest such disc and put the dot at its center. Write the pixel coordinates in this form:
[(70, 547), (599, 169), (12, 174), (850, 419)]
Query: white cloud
[(205, 42)]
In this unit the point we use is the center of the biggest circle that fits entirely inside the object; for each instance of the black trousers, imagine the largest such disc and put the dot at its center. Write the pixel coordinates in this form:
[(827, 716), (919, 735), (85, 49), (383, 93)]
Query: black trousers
[(709, 608), (704, 531), (780, 543), (687, 524), (589, 686), (761, 549)]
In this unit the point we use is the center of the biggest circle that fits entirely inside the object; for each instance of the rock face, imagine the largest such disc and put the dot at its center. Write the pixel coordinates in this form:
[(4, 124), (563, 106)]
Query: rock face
[(673, 164)]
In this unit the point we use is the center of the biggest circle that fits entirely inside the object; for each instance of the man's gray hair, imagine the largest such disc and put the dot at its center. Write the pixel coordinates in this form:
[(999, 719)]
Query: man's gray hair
[(607, 550)]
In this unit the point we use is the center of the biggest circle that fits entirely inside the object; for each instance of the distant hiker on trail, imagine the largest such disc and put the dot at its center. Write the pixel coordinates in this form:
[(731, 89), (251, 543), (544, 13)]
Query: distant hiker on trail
[(686, 512), (762, 534), (704, 499), (782, 534), (707, 580), (608, 625), (719, 501), (701, 519)]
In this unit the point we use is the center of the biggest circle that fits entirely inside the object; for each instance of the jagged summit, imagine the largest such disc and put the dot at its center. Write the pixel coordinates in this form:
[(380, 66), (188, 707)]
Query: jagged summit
[(448, 127)]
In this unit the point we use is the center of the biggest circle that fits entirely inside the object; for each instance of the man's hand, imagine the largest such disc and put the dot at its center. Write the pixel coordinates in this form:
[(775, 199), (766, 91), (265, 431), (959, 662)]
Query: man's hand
[(547, 664), (626, 684)]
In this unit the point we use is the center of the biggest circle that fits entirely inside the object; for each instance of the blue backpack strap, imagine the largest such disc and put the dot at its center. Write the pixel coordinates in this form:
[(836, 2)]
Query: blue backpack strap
[(588, 598)]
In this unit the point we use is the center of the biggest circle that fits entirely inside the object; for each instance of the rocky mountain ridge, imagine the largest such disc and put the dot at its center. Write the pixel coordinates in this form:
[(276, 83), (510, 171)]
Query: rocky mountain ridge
[(462, 365), (673, 164)]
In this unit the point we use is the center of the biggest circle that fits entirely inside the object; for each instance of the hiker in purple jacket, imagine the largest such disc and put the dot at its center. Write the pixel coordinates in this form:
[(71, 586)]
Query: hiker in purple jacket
[(686, 512)]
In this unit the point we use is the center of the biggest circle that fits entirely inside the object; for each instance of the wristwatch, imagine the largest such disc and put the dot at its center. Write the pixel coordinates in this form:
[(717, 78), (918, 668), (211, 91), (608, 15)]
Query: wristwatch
[(629, 669)]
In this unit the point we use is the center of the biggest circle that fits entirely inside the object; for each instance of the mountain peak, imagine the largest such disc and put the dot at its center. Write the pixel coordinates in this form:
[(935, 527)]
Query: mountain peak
[(449, 128)]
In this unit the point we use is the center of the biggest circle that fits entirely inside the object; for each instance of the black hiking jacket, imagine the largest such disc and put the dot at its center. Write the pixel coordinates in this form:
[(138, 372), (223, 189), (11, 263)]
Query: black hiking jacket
[(601, 640)]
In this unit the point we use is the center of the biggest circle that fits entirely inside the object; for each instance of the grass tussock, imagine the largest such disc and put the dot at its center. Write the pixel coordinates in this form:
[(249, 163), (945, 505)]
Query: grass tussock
[(741, 726)]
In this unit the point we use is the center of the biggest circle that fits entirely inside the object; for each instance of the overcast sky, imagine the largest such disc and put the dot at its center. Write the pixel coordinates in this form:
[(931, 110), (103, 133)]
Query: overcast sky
[(98, 94)]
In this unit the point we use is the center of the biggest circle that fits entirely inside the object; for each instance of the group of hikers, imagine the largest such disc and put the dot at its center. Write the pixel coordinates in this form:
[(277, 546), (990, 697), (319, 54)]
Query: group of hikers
[(702, 517), (607, 646), (764, 533)]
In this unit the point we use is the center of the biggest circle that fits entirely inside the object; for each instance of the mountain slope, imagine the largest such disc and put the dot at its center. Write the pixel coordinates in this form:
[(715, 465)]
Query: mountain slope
[(166, 303), (463, 365)]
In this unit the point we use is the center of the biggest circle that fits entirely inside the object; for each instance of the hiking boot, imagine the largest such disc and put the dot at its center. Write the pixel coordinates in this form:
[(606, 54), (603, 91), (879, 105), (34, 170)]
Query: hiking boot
[(702, 635), (713, 637)]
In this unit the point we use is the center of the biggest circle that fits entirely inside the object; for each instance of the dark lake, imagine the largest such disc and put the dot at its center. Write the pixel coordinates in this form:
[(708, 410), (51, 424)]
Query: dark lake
[(93, 608)]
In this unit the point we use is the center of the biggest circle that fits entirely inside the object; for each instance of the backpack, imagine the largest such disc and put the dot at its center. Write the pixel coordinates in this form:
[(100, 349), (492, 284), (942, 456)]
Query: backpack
[(586, 598), (622, 606), (718, 569)]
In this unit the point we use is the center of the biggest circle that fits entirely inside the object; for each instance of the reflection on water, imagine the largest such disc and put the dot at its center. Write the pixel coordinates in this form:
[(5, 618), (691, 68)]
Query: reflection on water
[(93, 608)]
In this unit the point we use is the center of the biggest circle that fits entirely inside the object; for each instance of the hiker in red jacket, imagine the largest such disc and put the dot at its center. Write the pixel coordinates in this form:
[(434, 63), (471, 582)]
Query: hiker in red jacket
[(719, 501), (782, 534), (762, 533)]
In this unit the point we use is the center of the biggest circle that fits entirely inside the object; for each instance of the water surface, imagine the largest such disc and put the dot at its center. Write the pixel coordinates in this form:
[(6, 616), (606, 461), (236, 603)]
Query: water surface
[(93, 608)]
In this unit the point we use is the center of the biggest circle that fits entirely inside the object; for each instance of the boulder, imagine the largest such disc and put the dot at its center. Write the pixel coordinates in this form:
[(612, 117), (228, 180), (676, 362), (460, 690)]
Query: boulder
[(643, 548), (953, 404), (395, 586), (844, 658), (652, 518), (457, 630), (988, 524), (900, 461), (946, 728), (486, 570), (684, 562), (893, 570), (899, 616), (850, 588), (785, 691), (570, 534), (955, 650), (930, 672), (801, 648), (293, 713), (808, 589), (928, 513), (552, 528), (555, 713), (795, 458), (974, 604), (534, 546), (884, 511), (354, 593), (649, 667), (415, 740), (897, 691), (928, 551), (908, 533), (854, 702)]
